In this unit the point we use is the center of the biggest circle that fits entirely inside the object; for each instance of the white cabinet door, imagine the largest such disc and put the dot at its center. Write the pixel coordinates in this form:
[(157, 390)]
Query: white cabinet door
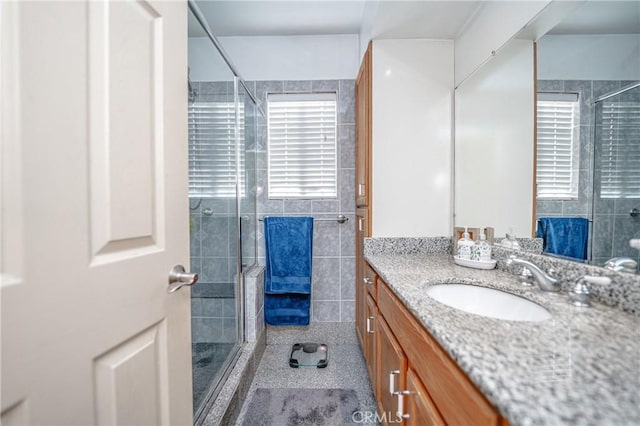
[(94, 213)]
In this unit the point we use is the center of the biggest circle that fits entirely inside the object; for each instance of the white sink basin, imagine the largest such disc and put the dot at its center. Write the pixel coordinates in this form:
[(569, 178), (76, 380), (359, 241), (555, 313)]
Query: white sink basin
[(488, 302)]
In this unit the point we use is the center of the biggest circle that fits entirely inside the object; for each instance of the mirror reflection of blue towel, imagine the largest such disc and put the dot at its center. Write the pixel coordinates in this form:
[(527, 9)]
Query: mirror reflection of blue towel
[(564, 236), (288, 271)]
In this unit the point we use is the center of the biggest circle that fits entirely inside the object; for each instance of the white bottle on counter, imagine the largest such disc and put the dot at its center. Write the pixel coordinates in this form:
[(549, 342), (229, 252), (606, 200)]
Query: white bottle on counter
[(484, 248), (465, 246)]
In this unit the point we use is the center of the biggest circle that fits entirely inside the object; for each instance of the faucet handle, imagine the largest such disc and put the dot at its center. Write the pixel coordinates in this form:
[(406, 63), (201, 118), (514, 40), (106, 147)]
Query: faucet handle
[(525, 278), (580, 294)]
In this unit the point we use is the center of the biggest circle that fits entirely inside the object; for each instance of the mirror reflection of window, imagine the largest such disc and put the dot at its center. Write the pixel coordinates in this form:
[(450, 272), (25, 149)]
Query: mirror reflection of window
[(558, 146)]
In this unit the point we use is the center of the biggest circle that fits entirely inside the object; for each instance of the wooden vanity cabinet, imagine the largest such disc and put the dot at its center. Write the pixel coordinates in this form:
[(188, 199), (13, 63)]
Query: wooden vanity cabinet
[(435, 391), (391, 373), (371, 312), (361, 224), (423, 411), (363, 130)]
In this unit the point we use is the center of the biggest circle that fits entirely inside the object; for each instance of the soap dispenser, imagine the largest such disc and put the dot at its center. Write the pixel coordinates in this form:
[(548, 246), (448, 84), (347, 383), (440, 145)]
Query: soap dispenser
[(465, 246), (484, 248)]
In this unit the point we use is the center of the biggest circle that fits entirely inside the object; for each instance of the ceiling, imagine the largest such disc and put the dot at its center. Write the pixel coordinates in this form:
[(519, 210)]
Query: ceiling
[(389, 18), (382, 18), (602, 17)]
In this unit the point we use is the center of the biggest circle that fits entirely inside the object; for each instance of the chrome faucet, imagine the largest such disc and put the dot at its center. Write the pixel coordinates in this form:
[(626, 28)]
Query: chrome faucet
[(580, 294), (546, 281), (621, 264)]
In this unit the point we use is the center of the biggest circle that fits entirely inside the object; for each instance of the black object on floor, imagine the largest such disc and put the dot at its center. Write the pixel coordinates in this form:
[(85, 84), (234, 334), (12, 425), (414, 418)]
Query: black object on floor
[(303, 407), (314, 355)]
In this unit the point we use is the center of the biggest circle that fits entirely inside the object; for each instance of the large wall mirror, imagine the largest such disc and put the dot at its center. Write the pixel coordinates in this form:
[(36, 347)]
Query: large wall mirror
[(567, 164)]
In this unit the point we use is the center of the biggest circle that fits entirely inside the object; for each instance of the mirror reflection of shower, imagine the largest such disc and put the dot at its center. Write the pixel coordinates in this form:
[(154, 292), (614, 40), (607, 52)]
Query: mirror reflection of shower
[(617, 177), (193, 93)]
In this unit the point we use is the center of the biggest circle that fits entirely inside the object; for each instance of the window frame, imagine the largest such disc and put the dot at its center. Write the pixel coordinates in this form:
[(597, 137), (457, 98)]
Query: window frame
[(570, 189), (277, 191)]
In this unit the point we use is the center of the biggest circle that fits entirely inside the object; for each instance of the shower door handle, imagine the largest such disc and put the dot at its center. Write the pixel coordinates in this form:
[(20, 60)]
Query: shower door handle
[(179, 278)]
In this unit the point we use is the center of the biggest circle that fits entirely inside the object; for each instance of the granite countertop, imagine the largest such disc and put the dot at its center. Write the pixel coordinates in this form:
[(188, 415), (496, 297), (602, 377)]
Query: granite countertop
[(581, 367)]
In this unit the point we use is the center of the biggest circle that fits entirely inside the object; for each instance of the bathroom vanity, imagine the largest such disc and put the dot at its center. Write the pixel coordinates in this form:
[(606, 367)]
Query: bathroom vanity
[(433, 364)]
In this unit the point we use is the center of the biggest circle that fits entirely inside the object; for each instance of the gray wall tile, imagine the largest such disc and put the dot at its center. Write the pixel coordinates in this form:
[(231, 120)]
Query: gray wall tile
[(212, 307), (326, 311), (348, 237), (347, 145), (325, 86), (347, 190), (550, 85), (346, 102), (347, 278), (297, 86), (215, 236), (215, 270), (326, 238), (348, 310), (625, 228), (325, 206), (326, 278)]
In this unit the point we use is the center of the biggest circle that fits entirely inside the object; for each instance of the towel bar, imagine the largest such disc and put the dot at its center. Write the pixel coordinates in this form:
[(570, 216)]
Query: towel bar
[(340, 219)]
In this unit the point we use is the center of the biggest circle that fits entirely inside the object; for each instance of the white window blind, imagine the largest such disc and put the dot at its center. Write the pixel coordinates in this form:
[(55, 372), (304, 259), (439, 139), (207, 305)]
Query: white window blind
[(302, 150), (558, 146), (620, 154), (212, 150)]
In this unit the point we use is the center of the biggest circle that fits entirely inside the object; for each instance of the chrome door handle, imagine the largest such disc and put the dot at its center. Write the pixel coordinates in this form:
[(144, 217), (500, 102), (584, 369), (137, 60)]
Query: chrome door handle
[(369, 328), (361, 189), (179, 278), (392, 382), (400, 414), (367, 280)]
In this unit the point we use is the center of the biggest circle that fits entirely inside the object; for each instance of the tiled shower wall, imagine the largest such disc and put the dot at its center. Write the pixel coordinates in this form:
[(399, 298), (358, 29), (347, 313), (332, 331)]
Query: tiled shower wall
[(612, 225), (333, 284)]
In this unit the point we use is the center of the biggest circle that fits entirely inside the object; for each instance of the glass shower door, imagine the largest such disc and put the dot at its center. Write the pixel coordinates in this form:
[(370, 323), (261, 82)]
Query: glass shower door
[(616, 177), (216, 121)]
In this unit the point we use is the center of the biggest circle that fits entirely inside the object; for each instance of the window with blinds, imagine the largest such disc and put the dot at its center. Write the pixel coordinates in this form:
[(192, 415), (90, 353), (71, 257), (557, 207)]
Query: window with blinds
[(620, 152), (302, 149), (212, 150), (558, 146)]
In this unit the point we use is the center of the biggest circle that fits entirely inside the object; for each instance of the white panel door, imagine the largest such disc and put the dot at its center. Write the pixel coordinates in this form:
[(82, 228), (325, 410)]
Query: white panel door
[(94, 213)]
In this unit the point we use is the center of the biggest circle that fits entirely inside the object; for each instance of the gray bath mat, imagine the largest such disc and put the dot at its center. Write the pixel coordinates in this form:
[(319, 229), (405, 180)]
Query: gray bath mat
[(303, 407)]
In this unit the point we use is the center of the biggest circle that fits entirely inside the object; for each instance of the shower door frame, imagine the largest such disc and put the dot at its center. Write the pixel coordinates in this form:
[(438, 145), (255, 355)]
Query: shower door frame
[(215, 388)]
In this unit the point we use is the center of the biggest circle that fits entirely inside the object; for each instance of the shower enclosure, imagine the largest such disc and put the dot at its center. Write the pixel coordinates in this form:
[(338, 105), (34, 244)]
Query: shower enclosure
[(616, 206), (222, 202)]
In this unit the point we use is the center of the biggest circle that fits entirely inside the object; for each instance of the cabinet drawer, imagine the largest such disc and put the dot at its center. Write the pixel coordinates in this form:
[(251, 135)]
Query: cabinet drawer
[(457, 399), (370, 281)]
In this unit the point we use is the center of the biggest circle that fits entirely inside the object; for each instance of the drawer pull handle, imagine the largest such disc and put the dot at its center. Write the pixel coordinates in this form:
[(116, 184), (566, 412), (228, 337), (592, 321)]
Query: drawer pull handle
[(400, 413), (368, 280), (361, 189), (392, 381), (360, 224), (369, 328)]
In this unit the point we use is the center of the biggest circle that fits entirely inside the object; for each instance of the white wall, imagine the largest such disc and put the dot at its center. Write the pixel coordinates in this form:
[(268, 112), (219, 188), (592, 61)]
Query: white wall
[(494, 143), (412, 138), (494, 24), (277, 58), (589, 57)]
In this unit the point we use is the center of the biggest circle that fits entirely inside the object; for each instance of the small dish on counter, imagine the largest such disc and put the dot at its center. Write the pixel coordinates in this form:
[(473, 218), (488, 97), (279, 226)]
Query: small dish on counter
[(477, 264)]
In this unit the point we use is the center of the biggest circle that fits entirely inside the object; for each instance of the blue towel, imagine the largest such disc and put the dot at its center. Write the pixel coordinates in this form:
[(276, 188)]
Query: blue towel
[(564, 236), (288, 272), (287, 309), (289, 243)]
